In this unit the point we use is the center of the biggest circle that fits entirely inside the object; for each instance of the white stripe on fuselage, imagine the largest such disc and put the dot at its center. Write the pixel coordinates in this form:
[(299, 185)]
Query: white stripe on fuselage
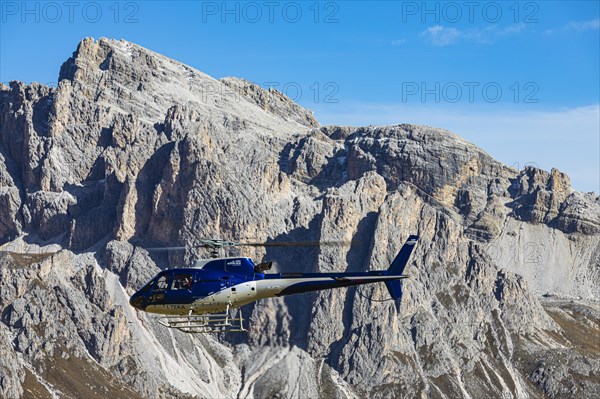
[(243, 294)]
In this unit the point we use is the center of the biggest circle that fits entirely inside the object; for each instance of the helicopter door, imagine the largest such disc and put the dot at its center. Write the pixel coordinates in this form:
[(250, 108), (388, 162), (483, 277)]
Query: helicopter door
[(226, 281), (180, 291)]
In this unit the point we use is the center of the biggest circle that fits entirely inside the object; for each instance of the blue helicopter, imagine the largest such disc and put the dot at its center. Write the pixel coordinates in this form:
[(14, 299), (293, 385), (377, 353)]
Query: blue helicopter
[(202, 298)]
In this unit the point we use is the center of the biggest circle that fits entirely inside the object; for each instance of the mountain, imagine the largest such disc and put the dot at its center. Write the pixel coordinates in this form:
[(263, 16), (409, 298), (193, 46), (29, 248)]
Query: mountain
[(133, 149)]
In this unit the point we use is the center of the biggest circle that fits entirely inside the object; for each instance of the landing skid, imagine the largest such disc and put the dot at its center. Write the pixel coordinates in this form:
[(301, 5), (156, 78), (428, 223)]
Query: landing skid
[(205, 323)]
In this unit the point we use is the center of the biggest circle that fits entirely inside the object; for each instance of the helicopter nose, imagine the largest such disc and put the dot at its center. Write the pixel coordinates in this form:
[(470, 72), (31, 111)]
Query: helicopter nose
[(138, 301)]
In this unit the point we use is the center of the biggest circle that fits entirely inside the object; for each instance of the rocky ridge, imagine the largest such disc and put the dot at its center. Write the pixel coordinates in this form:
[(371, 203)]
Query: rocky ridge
[(134, 148)]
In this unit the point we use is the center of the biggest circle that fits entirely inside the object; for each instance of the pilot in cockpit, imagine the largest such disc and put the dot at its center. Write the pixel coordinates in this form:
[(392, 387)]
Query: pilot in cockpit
[(187, 282)]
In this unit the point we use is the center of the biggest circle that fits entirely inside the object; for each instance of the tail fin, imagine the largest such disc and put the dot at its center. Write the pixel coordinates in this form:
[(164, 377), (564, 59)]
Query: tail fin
[(398, 265)]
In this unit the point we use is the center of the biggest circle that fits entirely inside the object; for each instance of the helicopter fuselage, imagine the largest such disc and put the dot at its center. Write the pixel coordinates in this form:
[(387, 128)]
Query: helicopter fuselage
[(218, 284), (215, 285)]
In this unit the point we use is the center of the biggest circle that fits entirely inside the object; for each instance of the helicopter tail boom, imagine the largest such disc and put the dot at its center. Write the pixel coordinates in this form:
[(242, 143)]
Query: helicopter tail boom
[(398, 265)]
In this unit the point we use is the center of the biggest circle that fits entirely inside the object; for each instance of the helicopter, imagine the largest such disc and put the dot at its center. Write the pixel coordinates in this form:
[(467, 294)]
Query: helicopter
[(203, 297)]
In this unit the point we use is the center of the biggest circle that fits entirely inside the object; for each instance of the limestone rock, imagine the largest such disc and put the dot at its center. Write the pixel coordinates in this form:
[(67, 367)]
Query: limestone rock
[(272, 101), (133, 150), (542, 197)]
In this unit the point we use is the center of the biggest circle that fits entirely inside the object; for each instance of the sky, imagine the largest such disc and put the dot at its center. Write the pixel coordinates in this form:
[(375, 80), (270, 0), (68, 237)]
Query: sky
[(519, 79)]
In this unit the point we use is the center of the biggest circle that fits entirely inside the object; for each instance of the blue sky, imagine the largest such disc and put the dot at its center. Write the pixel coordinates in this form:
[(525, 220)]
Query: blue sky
[(519, 79)]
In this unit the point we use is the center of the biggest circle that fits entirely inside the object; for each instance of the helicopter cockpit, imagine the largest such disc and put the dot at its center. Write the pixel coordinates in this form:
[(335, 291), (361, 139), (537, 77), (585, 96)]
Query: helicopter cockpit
[(182, 281)]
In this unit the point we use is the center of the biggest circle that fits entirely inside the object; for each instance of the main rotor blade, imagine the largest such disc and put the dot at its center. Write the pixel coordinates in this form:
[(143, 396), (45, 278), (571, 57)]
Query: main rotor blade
[(166, 249), (214, 244), (206, 243), (294, 243)]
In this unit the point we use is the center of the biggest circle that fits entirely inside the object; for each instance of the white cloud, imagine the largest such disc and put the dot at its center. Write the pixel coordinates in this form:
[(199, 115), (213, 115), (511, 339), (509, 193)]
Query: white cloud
[(514, 28), (568, 139), (581, 26), (578, 26), (440, 35), (398, 42)]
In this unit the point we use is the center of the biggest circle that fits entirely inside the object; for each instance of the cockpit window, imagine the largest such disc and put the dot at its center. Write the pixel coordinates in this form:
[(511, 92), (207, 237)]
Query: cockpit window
[(147, 287), (182, 282), (162, 283)]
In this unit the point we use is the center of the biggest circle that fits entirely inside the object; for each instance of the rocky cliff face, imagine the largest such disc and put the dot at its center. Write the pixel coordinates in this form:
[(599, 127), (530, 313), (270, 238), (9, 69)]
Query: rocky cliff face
[(133, 148)]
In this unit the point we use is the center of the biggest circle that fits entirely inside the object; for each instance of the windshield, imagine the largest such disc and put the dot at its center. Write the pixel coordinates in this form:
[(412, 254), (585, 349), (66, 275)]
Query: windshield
[(161, 283), (146, 288)]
